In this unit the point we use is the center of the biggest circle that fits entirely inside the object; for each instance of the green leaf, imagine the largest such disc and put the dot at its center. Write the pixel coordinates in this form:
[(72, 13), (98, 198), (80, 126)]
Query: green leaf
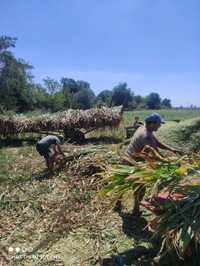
[(185, 236)]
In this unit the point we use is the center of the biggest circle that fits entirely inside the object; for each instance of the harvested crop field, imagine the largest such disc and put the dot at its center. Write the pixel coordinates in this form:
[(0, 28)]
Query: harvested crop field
[(41, 213), (62, 219)]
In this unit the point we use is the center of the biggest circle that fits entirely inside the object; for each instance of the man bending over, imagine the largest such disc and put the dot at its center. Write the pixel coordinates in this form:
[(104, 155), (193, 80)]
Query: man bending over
[(49, 147)]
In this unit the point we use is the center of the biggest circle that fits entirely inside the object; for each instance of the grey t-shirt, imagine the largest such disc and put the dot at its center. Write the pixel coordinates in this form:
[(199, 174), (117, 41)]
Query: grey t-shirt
[(141, 138), (48, 141)]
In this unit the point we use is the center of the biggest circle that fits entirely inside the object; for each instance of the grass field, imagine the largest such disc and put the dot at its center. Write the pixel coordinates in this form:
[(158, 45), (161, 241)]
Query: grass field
[(168, 115), (56, 220)]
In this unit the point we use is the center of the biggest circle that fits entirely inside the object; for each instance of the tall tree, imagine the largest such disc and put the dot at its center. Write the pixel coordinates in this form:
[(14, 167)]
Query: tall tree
[(7, 42), (122, 95), (83, 99), (138, 100), (15, 79), (153, 101), (40, 97), (105, 97), (70, 85), (80, 94), (52, 85), (166, 103)]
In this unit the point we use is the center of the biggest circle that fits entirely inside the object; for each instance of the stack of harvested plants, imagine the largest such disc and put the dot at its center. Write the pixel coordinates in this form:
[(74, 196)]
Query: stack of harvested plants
[(71, 119), (174, 218)]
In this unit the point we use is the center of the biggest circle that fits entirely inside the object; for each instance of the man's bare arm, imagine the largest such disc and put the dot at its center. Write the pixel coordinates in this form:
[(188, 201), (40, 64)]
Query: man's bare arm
[(166, 147), (59, 149)]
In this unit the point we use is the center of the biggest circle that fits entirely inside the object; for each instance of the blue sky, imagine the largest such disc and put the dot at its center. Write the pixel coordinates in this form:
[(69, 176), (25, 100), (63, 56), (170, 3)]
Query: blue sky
[(153, 45)]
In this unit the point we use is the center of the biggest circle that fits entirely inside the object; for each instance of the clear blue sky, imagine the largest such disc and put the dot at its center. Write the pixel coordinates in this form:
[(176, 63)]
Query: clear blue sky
[(153, 45)]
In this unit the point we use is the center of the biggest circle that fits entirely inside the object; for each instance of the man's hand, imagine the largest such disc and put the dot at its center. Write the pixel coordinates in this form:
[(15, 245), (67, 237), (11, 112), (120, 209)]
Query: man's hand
[(59, 150)]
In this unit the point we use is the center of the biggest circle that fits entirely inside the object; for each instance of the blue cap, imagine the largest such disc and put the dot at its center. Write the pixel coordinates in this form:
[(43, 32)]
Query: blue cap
[(154, 117), (61, 138)]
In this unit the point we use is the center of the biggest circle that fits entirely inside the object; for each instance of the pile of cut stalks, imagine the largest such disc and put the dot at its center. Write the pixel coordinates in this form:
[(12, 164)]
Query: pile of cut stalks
[(71, 119)]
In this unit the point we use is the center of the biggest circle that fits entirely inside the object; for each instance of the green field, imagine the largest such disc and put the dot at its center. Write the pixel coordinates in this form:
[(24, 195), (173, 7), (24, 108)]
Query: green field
[(168, 115), (34, 210), (167, 131)]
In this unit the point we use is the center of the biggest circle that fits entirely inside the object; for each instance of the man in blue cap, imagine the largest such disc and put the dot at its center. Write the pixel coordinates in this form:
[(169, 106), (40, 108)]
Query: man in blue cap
[(144, 136)]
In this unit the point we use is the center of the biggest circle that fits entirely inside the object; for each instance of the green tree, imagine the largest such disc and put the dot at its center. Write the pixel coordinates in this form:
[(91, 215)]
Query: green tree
[(105, 97), (139, 101), (7, 42), (166, 103), (59, 101), (15, 79), (122, 95), (153, 101), (78, 93), (57, 97), (70, 85), (51, 85), (69, 88), (82, 85), (40, 97), (83, 99)]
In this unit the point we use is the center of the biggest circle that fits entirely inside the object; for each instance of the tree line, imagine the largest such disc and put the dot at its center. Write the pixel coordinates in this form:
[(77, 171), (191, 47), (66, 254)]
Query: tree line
[(19, 93)]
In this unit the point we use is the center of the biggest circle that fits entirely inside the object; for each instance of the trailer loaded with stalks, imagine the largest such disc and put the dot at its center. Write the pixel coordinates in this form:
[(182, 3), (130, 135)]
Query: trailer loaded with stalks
[(73, 123)]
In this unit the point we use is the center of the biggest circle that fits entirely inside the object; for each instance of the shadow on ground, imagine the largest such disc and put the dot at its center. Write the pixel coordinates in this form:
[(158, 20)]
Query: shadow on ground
[(24, 141), (134, 226), (42, 175), (16, 142)]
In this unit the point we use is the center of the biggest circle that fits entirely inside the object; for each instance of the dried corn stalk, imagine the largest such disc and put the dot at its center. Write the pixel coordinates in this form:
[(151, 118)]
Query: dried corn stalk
[(71, 119)]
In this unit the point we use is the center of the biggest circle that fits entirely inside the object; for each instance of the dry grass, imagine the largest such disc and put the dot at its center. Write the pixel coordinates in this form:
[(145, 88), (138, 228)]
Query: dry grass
[(40, 214), (60, 215)]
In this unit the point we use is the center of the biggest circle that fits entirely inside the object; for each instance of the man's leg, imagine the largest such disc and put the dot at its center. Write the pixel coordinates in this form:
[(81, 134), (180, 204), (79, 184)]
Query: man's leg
[(137, 198), (49, 164), (50, 159)]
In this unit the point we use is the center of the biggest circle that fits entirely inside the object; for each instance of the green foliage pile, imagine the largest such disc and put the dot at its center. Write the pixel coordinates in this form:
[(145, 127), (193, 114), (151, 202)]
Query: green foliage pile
[(120, 180), (177, 222), (185, 135), (179, 226)]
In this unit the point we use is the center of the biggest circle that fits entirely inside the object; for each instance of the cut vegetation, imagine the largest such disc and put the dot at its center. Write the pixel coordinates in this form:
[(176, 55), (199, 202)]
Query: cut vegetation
[(83, 214)]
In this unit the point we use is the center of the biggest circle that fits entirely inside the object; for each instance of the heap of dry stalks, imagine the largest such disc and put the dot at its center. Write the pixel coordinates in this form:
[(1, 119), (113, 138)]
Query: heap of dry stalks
[(71, 119), (41, 211)]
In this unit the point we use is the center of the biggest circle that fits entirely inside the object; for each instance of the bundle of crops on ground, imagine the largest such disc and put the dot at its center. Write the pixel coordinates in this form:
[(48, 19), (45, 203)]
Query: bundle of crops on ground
[(121, 180), (86, 161), (179, 227), (175, 217), (71, 119)]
